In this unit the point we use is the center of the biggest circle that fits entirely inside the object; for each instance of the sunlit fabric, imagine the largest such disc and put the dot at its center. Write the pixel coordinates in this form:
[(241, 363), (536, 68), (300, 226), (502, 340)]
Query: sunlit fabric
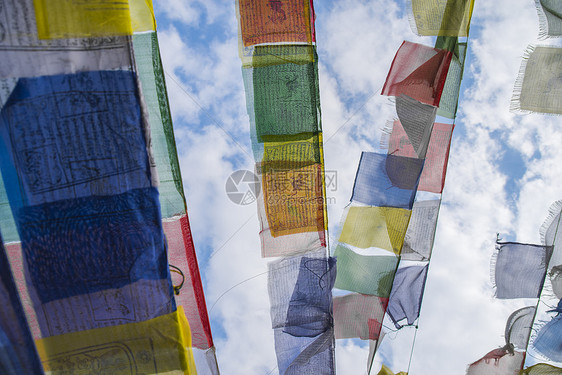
[(308, 314), (432, 178), (358, 316), (25, 55), (279, 21), (300, 296), (297, 279), (301, 150), (538, 87), (418, 242), (386, 180), (498, 362), (450, 96), (293, 198), (550, 18), (72, 136), (17, 350), (548, 232), (386, 371), (160, 345), (186, 280), (541, 369), (419, 72), (435, 17), (406, 297), (364, 274), (305, 355), (518, 327), (549, 339), (274, 54), (520, 269), (555, 275), (287, 244), (382, 227), (76, 19), (285, 100), (415, 122)]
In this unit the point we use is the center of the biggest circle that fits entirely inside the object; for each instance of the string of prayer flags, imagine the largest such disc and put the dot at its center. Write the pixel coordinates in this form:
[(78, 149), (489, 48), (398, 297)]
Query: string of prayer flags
[(518, 327), (541, 369), (538, 87), (358, 316), (93, 173), (444, 18), (186, 280), (159, 345), (550, 18), (386, 180), (419, 72), (17, 350), (406, 296), (549, 338), (501, 361), (519, 269), (280, 72)]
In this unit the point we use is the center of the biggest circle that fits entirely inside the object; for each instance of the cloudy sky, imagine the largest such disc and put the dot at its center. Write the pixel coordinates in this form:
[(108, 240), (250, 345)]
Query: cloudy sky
[(503, 174)]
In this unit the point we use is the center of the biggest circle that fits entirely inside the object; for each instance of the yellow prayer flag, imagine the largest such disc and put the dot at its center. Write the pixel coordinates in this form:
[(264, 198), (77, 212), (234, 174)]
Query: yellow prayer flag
[(441, 17), (94, 18), (158, 346), (382, 227), (386, 371)]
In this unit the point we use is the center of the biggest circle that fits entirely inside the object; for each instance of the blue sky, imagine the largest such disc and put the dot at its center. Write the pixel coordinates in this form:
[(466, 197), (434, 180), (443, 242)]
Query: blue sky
[(503, 169)]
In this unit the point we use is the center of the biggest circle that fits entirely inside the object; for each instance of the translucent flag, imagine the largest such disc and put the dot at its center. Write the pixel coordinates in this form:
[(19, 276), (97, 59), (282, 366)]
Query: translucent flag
[(538, 87), (275, 21), (160, 345), (363, 274), (386, 371), (519, 269), (450, 96), (498, 362), (359, 316), (550, 18), (418, 242), (382, 227), (518, 327), (419, 72), (406, 297), (75, 19), (549, 338), (541, 369), (432, 178), (386, 180), (416, 119), (435, 17), (24, 54)]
